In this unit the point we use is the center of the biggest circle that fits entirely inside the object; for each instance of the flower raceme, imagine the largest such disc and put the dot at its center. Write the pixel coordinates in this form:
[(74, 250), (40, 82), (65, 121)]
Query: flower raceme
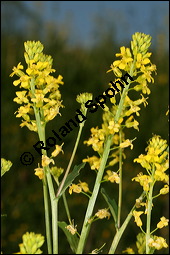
[(136, 62), (156, 158), (40, 88), (156, 163)]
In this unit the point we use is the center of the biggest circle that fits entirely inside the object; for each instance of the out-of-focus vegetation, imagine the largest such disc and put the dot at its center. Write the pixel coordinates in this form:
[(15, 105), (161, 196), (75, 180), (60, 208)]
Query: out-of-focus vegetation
[(84, 70)]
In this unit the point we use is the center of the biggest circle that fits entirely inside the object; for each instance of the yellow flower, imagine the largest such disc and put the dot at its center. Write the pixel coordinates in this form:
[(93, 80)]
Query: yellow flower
[(113, 127), (39, 98), (75, 188), (126, 143), (56, 172), (125, 54), (163, 222), (57, 150), (46, 161), (129, 251), (72, 229), (115, 70), (157, 242), (102, 213), (139, 203), (94, 162), (17, 70), (141, 61), (159, 175), (114, 160), (31, 126), (137, 218), (129, 123), (112, 176), (39, 172), (84, 186), (164, 190), (21, 97), (5, 166), (142, 160), (23, 112), (51, 113), (97, 139), (144, 180)]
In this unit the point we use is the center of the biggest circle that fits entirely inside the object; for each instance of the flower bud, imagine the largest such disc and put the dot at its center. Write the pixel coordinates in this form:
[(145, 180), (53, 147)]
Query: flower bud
[(26, 58), (140, 43), (84, 97)]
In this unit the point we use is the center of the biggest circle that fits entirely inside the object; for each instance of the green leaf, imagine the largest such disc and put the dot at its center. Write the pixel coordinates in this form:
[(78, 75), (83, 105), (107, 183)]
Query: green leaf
[(72, 239), (112, 205), (70, 178)]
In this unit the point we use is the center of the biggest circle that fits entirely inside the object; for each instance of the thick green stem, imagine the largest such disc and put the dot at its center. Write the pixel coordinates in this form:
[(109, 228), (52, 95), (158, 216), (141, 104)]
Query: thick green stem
[(54, 202), (86, 225)]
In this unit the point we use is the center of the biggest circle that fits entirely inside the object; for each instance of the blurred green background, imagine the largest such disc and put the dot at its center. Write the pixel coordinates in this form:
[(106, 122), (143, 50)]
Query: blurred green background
[(82, 58)]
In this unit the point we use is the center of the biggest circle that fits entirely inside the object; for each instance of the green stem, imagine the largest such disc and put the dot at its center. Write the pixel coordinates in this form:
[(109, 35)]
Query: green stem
[(120, 183), (149, 209), (47, 216), (71, 160), (125, 90), (92, 200), (54, 202), (117, 116), (121, 230), (65, 205), (54, 211), (86, 226)]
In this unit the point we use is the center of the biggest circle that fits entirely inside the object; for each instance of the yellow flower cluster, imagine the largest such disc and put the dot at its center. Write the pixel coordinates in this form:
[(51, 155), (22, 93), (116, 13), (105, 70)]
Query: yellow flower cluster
[(157, 242), (31, 243), (156, 158), (82, 99), (97, 139), (40, 92), (136, 62), (156, 163)]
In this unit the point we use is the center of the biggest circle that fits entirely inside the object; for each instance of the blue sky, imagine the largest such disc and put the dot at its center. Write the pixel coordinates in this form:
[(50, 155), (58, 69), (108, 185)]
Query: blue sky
[(79, 17), (128, 16)]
